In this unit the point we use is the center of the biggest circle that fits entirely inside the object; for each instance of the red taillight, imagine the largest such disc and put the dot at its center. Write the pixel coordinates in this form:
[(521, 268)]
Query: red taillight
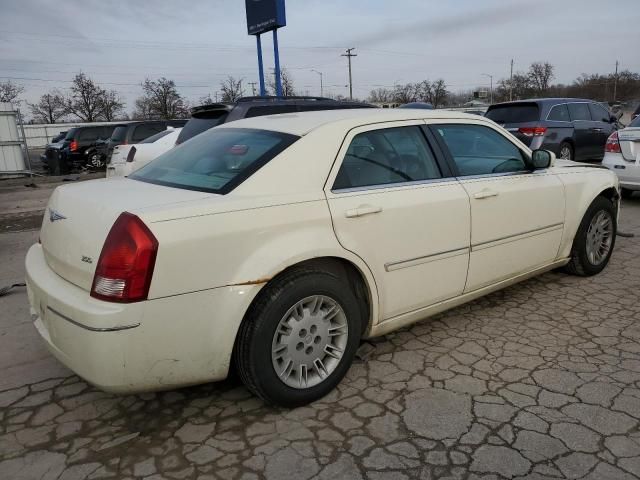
[(131, 154), (532, 131), (73, 146), (612, 145), (125, 267)]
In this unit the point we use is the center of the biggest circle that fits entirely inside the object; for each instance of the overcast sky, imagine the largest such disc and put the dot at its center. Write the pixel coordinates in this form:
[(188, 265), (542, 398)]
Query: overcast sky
[(43, 43)]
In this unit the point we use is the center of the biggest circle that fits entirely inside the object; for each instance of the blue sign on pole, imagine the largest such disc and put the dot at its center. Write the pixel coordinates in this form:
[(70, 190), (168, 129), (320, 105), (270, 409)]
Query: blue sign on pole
[(264, 15)]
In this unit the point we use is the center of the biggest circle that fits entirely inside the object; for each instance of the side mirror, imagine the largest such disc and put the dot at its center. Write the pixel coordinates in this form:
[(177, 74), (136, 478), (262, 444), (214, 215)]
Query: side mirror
[(541, 159), (613, 119)]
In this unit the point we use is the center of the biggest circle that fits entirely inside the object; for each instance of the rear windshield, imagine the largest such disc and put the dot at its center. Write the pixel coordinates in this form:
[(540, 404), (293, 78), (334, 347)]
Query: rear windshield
[(201, 123), (70, 134), (119, 133), (514, 113), (636, 122), (157, 136), (216, 161)]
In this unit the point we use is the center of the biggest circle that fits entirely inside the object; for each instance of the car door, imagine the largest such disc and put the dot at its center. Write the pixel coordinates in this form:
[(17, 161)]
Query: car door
[(601, 126), (585, 137), (517, 215), (394, 203)]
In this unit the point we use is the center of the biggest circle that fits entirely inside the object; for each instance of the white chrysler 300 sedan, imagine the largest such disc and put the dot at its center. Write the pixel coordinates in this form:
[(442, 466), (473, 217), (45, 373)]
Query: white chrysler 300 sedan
[(278, 242)]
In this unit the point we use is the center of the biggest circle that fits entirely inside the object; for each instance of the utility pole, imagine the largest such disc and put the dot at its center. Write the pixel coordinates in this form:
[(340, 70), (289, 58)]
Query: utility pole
[(615, 83), (321, 89), (511, 82), (253, 87), (349, 55), (491, 90)]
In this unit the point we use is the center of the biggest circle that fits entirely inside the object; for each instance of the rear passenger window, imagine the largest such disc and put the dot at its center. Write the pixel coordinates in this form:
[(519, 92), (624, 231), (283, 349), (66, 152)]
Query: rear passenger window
[(598, 113), (478, 150), (579, 111), (387, 156), (145, 131), (559, 113)]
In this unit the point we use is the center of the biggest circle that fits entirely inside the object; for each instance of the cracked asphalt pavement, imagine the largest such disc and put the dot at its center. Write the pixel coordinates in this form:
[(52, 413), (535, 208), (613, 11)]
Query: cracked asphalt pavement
[(538, 381)]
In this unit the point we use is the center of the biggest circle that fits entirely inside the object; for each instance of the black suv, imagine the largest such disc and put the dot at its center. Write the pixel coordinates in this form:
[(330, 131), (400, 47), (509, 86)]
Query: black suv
[(79, 149), (208, 116), (572, 128), (135, 132)]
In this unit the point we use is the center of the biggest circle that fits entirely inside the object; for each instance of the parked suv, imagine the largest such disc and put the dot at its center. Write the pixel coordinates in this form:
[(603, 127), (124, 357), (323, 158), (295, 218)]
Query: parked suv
[(135, 132), (208, 116), (78, 149), (573, 128)]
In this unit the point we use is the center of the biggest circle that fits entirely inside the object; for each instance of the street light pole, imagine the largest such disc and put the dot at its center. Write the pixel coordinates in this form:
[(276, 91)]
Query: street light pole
[(491, 88), (321, 88)]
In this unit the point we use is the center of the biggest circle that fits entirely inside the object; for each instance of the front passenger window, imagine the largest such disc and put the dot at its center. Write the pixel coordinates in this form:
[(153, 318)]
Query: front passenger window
[(479, 150), (387, 156)]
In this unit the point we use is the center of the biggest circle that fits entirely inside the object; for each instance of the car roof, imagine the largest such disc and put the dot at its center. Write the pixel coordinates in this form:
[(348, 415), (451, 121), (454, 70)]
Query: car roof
[(301, 123), (543, 100)]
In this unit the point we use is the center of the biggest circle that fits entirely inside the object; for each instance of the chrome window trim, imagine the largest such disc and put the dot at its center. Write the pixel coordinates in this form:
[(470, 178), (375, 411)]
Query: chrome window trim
[(365, 188), (391, 266), (500, 174), (87, 327)]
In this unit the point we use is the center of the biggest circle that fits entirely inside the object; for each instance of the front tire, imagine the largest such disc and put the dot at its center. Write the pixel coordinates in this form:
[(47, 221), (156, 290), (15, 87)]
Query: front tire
[(299, 337), (595, 239)]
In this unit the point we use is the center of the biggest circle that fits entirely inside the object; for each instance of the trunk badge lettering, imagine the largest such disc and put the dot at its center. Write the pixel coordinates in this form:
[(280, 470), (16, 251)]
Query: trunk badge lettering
[(87, 259), (54, 216)]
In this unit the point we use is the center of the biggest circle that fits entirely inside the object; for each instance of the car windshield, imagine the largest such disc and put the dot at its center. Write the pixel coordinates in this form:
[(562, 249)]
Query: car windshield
[(635, 123), (216, 161), (201, 123), (514, 113), (119, 133), (157, 136)]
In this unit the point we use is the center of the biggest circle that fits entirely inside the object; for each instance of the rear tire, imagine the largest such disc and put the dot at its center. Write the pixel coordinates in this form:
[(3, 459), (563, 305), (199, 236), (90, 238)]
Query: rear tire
[(565, 151), (626, 193), (595, 239), (292, 332)]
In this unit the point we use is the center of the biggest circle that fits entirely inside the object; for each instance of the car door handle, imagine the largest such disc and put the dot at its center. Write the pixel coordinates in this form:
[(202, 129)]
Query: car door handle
[(596, 129), (486, 193), (362, 210)]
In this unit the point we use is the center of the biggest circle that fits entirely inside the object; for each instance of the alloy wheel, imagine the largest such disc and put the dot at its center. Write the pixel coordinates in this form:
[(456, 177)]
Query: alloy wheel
[(309, 341), (599, 237)]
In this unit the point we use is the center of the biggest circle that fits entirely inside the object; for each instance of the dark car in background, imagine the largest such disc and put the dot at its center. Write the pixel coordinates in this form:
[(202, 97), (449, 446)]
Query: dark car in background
[(78, 149), (208, 116), (135, 132), (572, 128)]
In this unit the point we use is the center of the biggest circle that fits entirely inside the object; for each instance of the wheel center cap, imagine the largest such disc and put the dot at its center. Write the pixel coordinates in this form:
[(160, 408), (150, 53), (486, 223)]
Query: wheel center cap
[(308, 339)]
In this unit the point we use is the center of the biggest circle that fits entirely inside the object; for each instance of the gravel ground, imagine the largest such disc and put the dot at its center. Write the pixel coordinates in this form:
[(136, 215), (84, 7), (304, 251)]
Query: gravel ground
[(538, 381)]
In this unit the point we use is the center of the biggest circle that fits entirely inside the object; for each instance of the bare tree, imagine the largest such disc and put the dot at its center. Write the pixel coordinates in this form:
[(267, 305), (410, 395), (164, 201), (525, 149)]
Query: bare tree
[(161, 100), (231, 89), (435, 92), (205, 100), (112, 105), (50, 108), (405, 93), (288, 89), (540, 76), (380, 95), (9, 91), (85, 101), (520, 87)]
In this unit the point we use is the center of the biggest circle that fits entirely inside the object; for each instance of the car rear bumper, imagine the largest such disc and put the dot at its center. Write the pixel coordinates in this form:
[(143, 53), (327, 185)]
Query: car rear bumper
[(628, 172), (151, 345)]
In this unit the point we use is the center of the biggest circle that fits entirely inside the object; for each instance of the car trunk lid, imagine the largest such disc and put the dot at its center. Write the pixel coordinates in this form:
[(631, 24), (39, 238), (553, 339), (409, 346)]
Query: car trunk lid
[(629, 139), (79, 217)]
